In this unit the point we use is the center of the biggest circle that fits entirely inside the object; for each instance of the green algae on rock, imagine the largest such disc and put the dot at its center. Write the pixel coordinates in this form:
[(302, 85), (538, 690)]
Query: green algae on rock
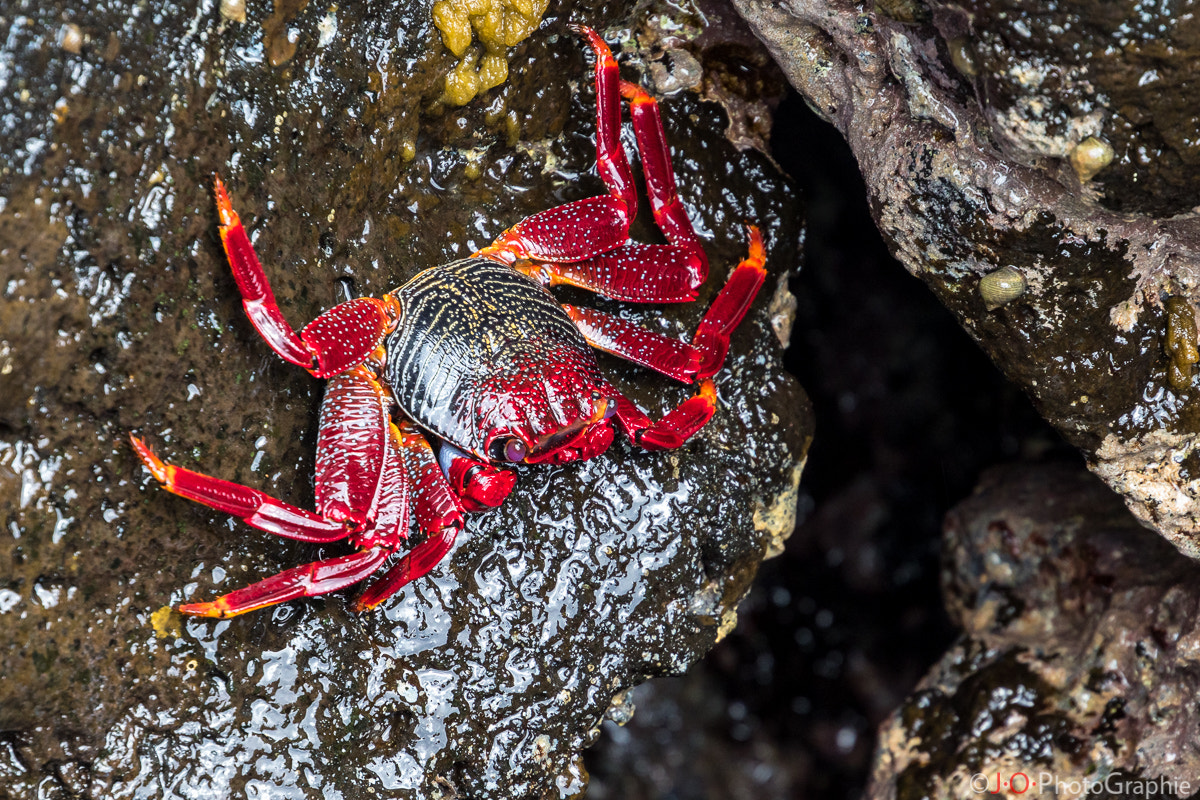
[(1180, 342)]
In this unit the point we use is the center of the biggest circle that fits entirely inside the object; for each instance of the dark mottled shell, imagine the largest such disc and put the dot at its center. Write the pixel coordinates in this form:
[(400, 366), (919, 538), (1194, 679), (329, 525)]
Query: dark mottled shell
[(460, 325)]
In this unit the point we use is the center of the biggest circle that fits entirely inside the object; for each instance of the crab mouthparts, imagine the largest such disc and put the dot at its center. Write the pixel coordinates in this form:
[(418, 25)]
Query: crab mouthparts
[(564, 437)]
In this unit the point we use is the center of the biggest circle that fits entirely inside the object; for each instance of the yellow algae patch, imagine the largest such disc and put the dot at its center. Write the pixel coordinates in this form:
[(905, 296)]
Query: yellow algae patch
[(167, 622), (1181, 342), (498, 25), (465, 81)]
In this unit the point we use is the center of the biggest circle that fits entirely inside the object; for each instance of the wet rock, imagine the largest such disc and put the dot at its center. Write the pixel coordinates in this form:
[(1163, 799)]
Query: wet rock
[(678, 744), (1093, 82), (1076, 667), (1087, 336), (117, 313)]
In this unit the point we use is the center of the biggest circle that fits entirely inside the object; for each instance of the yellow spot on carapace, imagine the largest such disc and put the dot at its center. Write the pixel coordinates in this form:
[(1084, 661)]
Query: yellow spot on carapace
[(167, 622), (498, 25)]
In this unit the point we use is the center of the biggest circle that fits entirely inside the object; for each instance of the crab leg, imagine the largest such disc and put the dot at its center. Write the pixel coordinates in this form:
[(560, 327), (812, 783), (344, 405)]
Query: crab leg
[(730, 306), (698, 361), (585, 243), (660, 177), (308, 580), (352, 444), (676, 427), (611, 160), (639, 273), (585, 228), (254, 507), (435, 506), (438, 513), (362, 492), (624, 339), (417, 563), (338, 339), (673, 358)]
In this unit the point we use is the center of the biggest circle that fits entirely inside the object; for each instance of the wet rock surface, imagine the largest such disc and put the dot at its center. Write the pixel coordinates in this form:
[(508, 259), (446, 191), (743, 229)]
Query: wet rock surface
[(118, 314), (838, 629), (1076, 668), (1090, 338), (1051, 77)]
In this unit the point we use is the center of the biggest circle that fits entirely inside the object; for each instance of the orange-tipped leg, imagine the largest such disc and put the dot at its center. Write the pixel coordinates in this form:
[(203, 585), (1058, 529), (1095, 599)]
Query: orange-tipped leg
[(697, 361), (340, 338), (676, 427), (731, 305), (254, 507), (319, 577)]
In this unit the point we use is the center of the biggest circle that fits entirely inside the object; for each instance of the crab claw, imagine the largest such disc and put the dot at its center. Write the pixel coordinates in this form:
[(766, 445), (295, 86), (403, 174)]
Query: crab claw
[(480, 486)]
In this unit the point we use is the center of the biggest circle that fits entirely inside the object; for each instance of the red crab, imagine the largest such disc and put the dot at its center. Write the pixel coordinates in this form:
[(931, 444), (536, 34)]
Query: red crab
[(479, 357)]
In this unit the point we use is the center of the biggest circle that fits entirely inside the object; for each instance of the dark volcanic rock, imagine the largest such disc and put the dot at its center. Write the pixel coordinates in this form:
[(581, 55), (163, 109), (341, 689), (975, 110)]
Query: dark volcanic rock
[(1087, 332), (1077, 665), (118, 314)]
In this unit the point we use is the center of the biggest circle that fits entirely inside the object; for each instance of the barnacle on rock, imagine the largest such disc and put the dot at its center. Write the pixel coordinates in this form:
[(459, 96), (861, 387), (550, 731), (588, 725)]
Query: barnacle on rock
[(234, 10), (70, 38), (1180, 341)]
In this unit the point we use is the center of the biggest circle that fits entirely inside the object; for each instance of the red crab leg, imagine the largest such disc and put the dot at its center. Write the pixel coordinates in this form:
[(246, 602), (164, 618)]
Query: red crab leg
[(676, 427), (671, 357), (698, 361), (727, 310), (360, 476), (583, 229), (254, 507), (338, 339), (416, 564), (379, 541), (434, 505), (308, 580), (438, 513), (660, 177), (572, 232), (352, 443), (639, 273), (624, 339), (611, 161)]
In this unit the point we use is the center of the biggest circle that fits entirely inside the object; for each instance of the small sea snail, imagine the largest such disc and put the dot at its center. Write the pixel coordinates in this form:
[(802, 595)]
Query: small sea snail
[(1089, 157), (1001, 286)]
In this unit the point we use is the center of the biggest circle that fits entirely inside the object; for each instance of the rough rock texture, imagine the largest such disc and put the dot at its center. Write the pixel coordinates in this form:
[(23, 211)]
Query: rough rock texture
[(1078, 662), (1123, 72), (1089, 339), (118, 314)]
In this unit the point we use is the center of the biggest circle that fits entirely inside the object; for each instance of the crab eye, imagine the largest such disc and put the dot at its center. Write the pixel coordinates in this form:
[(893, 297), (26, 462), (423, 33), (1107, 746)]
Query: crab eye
[(511, 449), (514, 451)]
